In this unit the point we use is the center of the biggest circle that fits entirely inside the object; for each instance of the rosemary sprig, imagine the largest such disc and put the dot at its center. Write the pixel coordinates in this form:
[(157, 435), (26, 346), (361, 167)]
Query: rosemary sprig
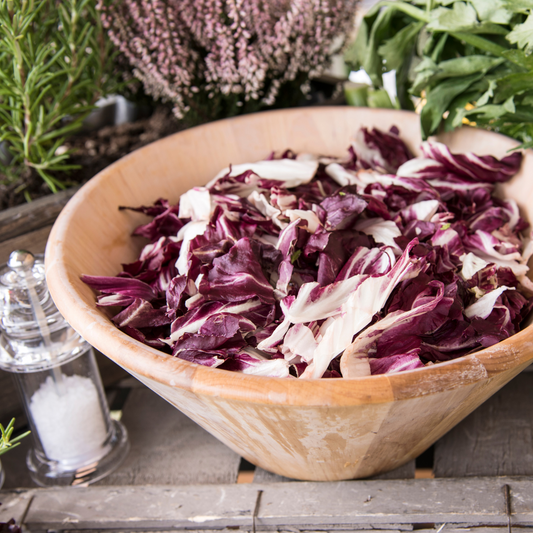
[(55, 62), (6, 443)]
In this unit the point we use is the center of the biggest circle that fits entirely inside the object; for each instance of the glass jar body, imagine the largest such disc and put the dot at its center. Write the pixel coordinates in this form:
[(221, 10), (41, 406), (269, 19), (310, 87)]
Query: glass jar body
[(75, 441)]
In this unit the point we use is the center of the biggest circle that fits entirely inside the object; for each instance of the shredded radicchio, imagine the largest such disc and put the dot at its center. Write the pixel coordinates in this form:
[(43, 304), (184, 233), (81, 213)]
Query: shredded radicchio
[(313, 267)]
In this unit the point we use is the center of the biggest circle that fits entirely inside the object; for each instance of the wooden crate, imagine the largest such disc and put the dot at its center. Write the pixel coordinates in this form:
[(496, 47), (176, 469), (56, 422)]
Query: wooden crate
[(178, 477)]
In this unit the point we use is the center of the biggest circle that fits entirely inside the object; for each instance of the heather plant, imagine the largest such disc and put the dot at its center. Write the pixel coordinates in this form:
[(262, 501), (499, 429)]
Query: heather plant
[(55, 62), (215, 58)]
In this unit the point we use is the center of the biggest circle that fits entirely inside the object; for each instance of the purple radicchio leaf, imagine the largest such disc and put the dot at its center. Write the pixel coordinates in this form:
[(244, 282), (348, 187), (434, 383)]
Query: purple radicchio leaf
[(375, 262), (237, 276), (252, 362), (485, 168), (166, 220), (380, 150), (290, 240), (300, 343), (220, 347), (422, 168), (289, 172), (342, 209), (349, 244), (10, 527), (140, 314), (252, 310), (149, 336), (354, 360), (356, 312), (128, 287), (492, 250), (395, 363), (422, 211)]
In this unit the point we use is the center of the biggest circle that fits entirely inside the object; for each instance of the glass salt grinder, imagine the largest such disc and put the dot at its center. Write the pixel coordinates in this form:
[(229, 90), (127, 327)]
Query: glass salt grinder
[(75, 441)]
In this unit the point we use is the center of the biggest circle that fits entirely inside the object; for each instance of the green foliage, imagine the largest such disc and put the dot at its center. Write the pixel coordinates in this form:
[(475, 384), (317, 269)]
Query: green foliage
[(467, 61), (55, 62), (361, 95), (6, 442)]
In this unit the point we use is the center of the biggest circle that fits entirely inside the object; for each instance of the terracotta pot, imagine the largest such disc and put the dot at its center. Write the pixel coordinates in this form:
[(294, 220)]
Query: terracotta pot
[(328, 429)]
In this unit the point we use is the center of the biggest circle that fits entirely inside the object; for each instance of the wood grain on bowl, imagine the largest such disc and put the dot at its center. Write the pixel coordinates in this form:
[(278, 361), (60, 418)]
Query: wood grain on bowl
[(329, 429)]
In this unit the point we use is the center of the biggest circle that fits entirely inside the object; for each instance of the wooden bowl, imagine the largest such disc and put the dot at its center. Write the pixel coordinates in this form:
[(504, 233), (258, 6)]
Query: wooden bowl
[(328, 429)]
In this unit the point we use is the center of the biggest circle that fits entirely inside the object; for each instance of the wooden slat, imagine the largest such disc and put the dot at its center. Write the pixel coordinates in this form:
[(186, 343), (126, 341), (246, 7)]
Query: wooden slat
[(167, 448), (406, 471), (264, 476), (34, 241), (10, 404), (110, 372), (496, 439), (362, 529), (15, 505), (314, 506), (14, 462), (32, 216)]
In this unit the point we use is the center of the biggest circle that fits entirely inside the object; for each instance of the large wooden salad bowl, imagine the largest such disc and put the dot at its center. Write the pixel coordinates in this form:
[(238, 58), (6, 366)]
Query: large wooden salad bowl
[(327, 429)]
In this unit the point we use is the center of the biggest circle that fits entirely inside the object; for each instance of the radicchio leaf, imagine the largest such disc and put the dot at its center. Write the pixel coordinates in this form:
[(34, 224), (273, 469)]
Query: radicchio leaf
[(299, 265)]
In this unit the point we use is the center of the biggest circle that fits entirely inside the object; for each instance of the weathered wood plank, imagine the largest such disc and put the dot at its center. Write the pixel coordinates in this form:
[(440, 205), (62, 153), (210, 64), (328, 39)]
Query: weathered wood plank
[(167, 448), (264, 476), (298, 530), (34, 215), (10, 404), (496, 439), (33, 241), (406, 471), (14, 462), (304, 505), (15, 504), (471, 529), (110, 372)]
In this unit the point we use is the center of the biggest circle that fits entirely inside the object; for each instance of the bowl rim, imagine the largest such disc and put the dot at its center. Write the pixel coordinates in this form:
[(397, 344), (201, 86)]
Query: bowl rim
[(153, 367)]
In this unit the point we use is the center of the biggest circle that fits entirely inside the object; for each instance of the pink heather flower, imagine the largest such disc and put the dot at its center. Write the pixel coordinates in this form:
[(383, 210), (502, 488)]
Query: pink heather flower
[(249, 48)]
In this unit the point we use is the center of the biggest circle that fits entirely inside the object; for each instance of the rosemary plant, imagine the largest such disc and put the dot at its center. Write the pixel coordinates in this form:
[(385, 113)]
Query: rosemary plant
[(55, 62), (6, 442)]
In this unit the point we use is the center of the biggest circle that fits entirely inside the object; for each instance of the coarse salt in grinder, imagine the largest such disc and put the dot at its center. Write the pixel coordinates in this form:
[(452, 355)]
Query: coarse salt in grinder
[(75, 441)]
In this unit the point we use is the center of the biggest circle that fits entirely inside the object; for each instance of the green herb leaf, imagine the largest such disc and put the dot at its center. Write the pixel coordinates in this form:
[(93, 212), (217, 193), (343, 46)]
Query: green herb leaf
[(480, 42), (453, 68), (395, 50), (380, 98), (518, 6), (457, 109), (356, 94), (512, 85), (491, 112), (492, 11), (522, 35), (518, 57), (462, 17), (439, 99)]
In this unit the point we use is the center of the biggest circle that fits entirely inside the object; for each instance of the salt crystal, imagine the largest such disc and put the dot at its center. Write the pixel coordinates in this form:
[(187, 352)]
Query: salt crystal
[(69, 420)]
